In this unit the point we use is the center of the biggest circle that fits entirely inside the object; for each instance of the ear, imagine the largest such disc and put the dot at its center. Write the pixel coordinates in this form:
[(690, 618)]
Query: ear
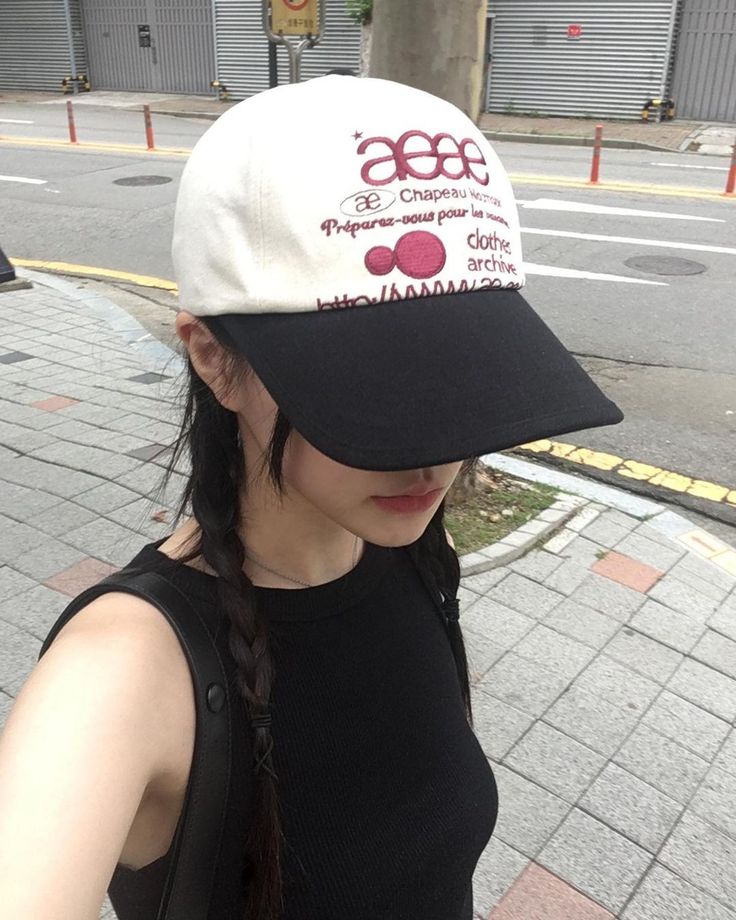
[(208, 357)]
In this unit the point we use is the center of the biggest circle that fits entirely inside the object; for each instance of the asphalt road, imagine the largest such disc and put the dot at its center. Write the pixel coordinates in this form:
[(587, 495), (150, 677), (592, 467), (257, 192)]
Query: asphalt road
[(662, 345)]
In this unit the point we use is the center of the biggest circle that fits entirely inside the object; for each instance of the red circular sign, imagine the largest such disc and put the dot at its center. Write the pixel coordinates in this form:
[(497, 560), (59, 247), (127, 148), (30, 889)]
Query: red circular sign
[(295, 5)]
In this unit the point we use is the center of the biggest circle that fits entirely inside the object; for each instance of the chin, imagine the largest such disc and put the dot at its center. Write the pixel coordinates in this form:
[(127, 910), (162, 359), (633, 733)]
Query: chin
[(400, 533)]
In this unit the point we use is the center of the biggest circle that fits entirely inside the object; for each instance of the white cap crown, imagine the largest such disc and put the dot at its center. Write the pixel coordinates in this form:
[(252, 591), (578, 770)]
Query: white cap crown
[(342, 192)]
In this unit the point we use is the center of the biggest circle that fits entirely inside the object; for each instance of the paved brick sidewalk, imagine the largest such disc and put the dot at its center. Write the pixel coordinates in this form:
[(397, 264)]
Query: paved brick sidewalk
[(670, 135), (603, 664)]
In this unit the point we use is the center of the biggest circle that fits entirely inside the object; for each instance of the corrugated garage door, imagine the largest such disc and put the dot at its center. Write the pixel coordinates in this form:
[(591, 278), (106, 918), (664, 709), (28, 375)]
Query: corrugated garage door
[(704, 84), (615, 65), (162, 46), (34, 44), (242, 47)]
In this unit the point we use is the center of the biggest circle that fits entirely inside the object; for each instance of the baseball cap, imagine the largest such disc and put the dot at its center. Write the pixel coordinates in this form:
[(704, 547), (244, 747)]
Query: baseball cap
[(358, 241)]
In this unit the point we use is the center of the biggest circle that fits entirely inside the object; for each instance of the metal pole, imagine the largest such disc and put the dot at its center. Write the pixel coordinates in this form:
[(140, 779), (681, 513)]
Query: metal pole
[(596, 167), (149, 126), (70, 121), (70, 39), (294, 51), (273, 67), (731, 183)]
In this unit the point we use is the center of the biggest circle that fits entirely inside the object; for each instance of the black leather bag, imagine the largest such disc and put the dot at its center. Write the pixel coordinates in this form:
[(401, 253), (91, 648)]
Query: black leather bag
[(198, 840)]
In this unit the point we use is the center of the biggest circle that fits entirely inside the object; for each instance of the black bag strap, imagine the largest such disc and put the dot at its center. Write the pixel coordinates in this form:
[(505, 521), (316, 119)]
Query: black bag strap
[(198, 839), (447, 607)]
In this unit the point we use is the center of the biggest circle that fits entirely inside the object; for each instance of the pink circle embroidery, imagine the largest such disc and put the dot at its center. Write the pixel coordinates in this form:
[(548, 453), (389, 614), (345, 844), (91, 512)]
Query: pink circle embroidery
[(380, 260), (420, 254)]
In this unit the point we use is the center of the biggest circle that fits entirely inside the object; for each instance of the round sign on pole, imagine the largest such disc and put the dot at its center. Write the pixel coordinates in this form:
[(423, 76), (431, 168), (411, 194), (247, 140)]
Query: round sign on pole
[(295, 17)]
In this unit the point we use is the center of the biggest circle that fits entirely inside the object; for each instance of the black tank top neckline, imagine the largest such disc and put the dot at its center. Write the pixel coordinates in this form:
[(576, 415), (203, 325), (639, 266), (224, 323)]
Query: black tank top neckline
[(312, 603)]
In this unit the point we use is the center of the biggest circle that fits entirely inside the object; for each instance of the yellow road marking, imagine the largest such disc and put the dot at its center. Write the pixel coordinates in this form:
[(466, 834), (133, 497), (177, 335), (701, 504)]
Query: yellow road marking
[(99, 147), (674, 191), (633, 469), (69, 268)]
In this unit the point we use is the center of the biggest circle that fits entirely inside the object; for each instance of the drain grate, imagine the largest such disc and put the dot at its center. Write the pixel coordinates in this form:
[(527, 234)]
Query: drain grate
[(142, 180), (665, 265)]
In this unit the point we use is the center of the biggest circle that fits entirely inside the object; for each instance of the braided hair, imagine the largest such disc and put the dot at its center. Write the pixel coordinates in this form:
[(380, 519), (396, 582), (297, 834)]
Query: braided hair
[(209, 437)]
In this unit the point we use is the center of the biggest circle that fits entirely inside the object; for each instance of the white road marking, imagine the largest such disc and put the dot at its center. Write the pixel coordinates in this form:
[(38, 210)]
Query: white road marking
[(552, 204), (599, 238), (22, 179), (690, 166), (14, 121), (553, 271)]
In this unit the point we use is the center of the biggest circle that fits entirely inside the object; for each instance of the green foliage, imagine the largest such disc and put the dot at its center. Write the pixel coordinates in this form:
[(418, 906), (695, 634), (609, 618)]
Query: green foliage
[(360, 10)]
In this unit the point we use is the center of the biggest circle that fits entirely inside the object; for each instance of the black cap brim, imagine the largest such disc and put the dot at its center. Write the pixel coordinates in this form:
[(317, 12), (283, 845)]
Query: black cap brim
[(418, 383)]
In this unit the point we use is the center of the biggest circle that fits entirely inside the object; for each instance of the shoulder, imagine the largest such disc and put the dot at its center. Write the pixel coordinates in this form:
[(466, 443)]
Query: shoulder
[(129, 644), (95, 730)]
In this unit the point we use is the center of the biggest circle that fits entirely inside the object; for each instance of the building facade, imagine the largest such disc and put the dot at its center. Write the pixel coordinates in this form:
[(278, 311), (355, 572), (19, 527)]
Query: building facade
[(589, 58), (157, 46), (606, 58)]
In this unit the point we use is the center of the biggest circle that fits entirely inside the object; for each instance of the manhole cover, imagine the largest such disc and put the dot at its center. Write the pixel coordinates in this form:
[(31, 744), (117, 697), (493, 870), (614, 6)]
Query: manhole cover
[(142, 180), (665, 265)]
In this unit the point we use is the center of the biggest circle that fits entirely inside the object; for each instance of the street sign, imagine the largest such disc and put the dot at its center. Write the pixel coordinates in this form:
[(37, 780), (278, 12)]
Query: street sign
[(295, 17), (574, 31)]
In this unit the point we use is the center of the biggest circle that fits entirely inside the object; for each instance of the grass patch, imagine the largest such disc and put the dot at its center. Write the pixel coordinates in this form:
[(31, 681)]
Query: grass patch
[(501, 505)]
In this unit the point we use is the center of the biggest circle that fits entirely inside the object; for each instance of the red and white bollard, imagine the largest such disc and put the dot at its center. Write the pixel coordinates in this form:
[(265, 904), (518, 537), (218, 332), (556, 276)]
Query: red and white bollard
[(595, 170), (149, 127), (70, 120), (731, 182)]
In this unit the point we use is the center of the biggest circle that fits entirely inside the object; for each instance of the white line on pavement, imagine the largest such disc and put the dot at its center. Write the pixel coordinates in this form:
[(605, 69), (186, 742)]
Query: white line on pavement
[(691, 166), (553, 271), (22, 179), (14, 121), (553, 204), (599, 238)]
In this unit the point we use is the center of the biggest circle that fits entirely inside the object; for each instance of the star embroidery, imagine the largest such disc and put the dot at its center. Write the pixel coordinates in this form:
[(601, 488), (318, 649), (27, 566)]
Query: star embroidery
[(358, 135)]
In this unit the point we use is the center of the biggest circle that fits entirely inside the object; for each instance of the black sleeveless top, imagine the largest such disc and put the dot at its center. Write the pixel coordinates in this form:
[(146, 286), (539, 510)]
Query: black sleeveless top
[(387, 799)]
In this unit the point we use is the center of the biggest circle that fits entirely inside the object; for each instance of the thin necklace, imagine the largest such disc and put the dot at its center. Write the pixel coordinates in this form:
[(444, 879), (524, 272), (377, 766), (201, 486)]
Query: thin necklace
[(296, 580)]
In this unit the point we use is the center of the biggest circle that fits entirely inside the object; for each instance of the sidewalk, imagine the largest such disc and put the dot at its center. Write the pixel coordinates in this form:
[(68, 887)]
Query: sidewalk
[(669, 135), (603, 663), (678, 135)]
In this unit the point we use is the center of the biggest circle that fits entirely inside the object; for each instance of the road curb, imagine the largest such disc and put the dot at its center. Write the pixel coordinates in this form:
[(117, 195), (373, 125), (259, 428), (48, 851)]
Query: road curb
[(154, 353), (520, 541), (656, 515), (566, 140)]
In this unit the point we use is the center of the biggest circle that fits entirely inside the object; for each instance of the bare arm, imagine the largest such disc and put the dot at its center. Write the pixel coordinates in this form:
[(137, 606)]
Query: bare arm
[(81, 745)]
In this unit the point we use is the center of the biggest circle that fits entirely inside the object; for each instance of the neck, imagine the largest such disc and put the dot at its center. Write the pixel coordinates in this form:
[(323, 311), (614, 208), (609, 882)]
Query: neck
[(295, 540)]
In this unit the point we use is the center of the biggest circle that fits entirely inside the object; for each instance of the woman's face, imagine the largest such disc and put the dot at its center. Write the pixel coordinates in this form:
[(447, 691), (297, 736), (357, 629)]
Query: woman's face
[(340, 493), (317, 489)]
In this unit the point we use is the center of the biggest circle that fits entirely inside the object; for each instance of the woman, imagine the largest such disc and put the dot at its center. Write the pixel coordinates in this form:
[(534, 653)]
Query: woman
[(349, 263)]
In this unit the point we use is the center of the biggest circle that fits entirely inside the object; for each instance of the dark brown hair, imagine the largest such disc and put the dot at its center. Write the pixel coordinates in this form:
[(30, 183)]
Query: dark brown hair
[(209, 439)]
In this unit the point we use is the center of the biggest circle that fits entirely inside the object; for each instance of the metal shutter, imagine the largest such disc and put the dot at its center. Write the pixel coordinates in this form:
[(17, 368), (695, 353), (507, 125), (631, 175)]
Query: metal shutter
[(619, 62), (34, 46), (704, 83)]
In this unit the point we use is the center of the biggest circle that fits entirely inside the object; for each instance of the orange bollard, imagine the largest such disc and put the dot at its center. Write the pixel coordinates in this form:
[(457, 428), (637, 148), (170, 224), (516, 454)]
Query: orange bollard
[(596, 167), (731, 182), (70, 120), (149, 126)]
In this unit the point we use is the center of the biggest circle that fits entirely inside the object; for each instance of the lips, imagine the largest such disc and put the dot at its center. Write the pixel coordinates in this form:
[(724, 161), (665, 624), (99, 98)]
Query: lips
[(409, 504)]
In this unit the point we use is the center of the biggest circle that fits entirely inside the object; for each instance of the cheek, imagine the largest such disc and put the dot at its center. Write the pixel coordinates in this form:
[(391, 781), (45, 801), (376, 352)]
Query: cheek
[(321, 480)]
